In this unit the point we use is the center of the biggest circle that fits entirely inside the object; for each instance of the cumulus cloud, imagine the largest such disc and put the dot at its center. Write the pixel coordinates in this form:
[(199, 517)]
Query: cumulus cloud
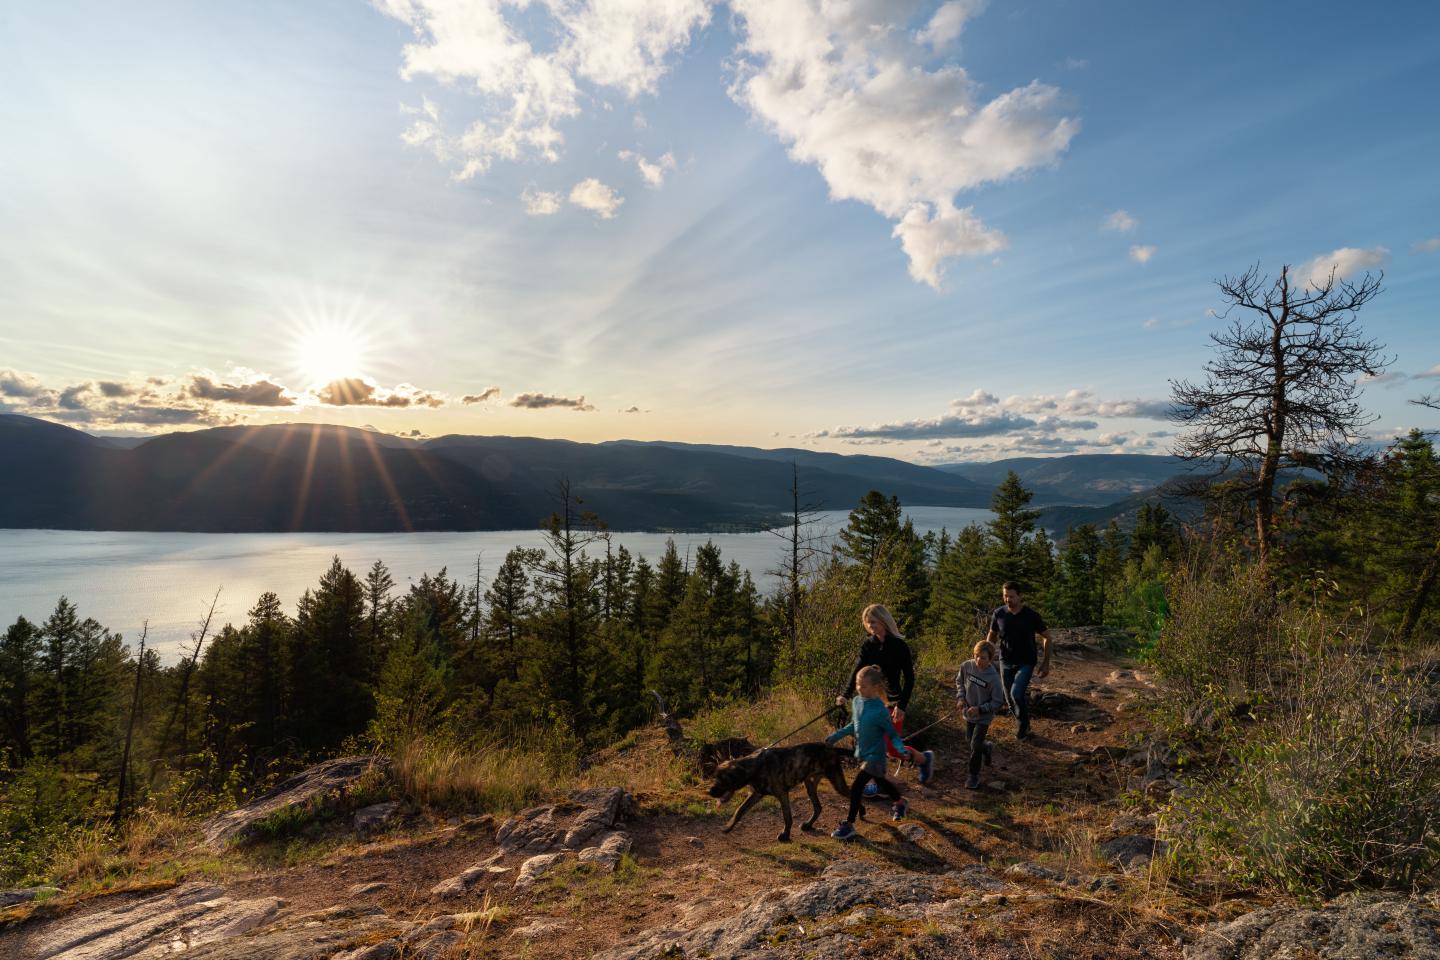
[(590, 194), (258, 393), (1345, 262), (1426, 246), (948, 22), (542, 401), (114, 388), (1120, 222), (359, 392), (854, 98), (979, 398), (523, 94), (539, 203), (1141, 253), (13, 383), (1084, 403), (654, 173), (489, 393)]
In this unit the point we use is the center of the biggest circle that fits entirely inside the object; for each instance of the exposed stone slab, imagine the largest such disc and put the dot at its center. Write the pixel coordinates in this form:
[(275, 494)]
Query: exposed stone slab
[(319, 781), (1355, 927)]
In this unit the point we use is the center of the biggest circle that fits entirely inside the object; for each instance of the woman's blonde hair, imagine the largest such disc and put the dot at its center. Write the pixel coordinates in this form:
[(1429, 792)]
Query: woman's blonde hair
[(877, 611)]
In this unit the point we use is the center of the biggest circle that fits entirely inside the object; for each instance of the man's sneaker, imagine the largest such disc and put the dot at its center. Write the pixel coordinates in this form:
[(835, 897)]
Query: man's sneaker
[(1023, 734), (872, 789), (898, 809), (846, 831), (989, 753), (927, 766), (972, 782)]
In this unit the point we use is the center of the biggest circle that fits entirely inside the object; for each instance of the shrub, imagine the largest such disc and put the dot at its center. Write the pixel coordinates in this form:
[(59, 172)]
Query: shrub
[(1336, 788)]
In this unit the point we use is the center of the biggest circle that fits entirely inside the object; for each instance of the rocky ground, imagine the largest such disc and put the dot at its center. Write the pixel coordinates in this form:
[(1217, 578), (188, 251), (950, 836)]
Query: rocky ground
[(1054, 857)]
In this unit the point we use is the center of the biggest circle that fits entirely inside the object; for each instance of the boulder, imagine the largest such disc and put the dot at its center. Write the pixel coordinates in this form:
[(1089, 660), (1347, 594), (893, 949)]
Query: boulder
[(320, 781), (1132, 851), (541, 927), (530, 830), (373, 818), (1055, 705), (602, 809), (536, 867), (607, 853), (1354, 927), (572, 825)]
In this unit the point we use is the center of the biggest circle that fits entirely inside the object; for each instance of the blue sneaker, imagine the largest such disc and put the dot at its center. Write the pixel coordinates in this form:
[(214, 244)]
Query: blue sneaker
[(899, 808), (846, 831), (927, 766), (872, 789)]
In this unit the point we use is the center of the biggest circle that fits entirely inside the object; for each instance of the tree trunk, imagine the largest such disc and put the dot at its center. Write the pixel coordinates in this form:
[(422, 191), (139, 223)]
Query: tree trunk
[(1423, 586)]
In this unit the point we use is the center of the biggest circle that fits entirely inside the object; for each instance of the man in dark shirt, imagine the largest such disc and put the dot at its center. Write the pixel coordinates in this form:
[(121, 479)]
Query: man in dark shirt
[(1013, 629)]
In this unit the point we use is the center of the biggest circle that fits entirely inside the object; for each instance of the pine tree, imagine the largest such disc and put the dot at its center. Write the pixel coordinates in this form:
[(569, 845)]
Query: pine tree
[(1077, 598), (411, 694), (1013, 524), (330, 694), (19, 659), (963, 591), (378, 584), (874, 526)]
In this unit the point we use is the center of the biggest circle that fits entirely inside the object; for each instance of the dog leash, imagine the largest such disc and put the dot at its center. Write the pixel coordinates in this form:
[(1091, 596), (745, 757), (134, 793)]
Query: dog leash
[(927, 726), (802, 726)]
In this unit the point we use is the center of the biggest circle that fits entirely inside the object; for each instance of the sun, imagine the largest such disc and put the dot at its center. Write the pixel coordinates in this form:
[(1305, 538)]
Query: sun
[(327, 352)]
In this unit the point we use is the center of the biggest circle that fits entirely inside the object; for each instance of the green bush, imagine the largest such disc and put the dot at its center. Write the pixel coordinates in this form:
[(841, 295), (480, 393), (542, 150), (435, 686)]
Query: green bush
[(1335, 788), (40, 807)]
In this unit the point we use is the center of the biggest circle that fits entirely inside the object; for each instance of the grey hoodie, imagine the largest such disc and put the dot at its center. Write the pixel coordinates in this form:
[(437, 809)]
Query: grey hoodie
[(979, 688)]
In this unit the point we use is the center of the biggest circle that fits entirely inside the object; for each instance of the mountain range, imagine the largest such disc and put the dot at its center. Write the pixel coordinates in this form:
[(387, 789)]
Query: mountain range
[(321, 477)]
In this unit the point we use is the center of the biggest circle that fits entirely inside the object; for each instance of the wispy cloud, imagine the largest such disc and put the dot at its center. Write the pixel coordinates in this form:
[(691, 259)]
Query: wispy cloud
[(1141, 253), (539, 203), (1426, 246), (542, 401), (484, 396), (653, 172), (1120, 222)]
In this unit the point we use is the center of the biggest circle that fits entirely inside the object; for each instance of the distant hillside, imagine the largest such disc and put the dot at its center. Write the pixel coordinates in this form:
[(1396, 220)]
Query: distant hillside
[(310, 477), (1093, 479)]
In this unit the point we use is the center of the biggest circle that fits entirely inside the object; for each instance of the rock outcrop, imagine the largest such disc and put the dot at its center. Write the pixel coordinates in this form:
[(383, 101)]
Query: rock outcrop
[(1354, 927), (313, 785)]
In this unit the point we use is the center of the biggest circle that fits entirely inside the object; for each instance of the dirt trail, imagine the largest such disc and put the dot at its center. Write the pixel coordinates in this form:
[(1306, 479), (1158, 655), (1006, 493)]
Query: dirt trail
[(1041, 796)]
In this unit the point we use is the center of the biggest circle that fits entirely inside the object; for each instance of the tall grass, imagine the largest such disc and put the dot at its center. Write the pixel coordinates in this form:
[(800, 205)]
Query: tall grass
[(498, 776)]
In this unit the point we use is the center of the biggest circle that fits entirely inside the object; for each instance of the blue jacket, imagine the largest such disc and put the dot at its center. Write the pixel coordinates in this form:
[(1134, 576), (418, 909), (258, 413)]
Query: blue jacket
[(869, 724)]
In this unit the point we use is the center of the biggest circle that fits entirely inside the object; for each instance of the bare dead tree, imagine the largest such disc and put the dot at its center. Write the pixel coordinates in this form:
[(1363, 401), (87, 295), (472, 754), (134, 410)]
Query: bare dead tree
[(1283, 390), (799, 549), (181, 708), (120, 795)]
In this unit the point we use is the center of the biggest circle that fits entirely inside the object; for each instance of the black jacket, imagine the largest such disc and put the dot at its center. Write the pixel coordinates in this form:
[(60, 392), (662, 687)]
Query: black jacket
[(894, 660)]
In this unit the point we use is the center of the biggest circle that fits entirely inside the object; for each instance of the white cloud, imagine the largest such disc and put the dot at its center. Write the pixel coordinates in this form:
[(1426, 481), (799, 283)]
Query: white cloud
[(1426, 246), (949, 22), (1083, 403), (524, 93), (654, 173), (539, 203), (1150, 324), (1433, 372), (852, 96), (980, 398), (590, 194), (928, 240), (1141, 253), (1345, 262), (1120, 222)]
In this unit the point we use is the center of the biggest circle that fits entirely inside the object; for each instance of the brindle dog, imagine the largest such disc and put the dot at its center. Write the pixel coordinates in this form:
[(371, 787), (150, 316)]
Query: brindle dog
[(778, 770)]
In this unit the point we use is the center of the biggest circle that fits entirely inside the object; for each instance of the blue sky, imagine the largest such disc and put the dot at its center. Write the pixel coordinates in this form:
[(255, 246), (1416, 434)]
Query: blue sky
[(934, 231)]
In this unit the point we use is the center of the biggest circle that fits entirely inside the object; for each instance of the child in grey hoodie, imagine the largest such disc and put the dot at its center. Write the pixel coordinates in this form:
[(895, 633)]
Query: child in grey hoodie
[(979, 694)]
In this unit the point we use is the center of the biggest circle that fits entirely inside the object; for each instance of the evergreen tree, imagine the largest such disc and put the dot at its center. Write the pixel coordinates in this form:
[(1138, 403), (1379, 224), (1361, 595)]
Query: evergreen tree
[(378, 605), (874, 526), (411, 694), (963, 590), (1109, 567), (19, 659), (330, 663), (1014, 522), (668, 588), (1077, 598)]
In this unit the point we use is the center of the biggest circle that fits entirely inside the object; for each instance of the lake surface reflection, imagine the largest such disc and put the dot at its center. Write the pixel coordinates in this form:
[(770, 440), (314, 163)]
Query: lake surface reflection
[(123, 579)]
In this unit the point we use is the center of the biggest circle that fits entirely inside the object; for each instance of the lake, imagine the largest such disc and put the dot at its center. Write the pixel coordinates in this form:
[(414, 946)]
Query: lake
[(122, 579)]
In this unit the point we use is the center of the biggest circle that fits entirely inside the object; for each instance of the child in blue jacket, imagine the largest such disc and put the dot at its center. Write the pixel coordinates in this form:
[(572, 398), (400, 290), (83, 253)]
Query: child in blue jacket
[(871, 726)]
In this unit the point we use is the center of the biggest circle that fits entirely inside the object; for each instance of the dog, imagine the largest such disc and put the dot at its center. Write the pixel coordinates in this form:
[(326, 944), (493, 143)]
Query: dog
[(775, 772)]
